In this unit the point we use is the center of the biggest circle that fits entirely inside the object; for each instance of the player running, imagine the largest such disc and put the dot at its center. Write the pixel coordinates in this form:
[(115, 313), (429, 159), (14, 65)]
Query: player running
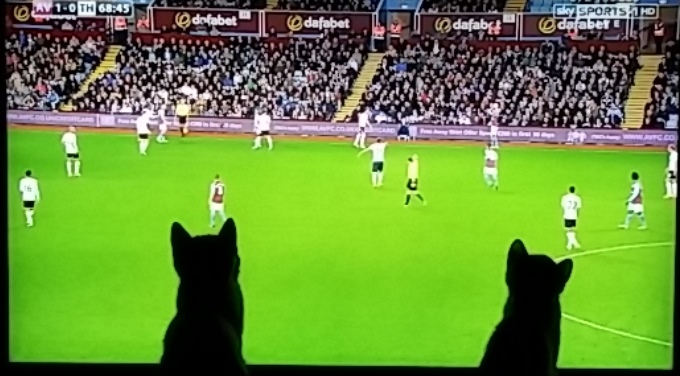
[(412, 181), (143, 131), (378, 157), (364, 123), (571, 204), (491, 167), (494, 111), (70, 142), (262, 125), (216, 201), (30, 195), (672, 173), (634, 204)]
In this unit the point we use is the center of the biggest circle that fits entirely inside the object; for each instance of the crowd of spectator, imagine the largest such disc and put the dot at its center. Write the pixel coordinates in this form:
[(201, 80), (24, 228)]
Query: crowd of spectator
[(215, 4), (462, 6), (299, 79), (664, 106), (43, 72), (329, 5), (458, 84)]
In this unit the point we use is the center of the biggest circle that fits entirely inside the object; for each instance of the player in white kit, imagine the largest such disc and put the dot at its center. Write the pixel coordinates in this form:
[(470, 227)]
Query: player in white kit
[(162, 125), (571, 204), (634, 204), (30, 195), (672, 173), (494, 111), (70, 142), (491, 167), (216, 200), (364, 124), (378, 161), (143, 131), (262, 125)]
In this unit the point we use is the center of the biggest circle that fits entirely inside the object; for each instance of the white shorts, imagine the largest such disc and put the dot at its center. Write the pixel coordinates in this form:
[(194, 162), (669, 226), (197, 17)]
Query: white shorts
[(493, 131), (491, 171), (215, 207), (636, 208), (162, 127)]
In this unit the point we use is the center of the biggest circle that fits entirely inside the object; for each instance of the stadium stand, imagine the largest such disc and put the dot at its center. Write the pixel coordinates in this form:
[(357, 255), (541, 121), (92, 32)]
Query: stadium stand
[(329, 5), (663, 107), (300, 79), (216, 4), (43, 72), (546, 6), (548, 86), (462, 6)]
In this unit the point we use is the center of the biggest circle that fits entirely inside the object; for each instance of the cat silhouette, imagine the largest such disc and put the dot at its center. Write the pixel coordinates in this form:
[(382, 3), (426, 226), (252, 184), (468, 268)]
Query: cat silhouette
[(527, 340), (206, 332)]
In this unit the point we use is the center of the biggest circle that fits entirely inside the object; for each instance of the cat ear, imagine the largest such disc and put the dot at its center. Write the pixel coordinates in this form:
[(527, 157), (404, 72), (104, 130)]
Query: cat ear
[(179, 237), (564, 270), (516, 253), (228, 234)]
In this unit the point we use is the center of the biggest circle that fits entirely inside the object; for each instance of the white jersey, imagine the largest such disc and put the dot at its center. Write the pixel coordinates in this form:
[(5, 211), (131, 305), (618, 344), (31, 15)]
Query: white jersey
[(263, 123), (143, 124), (673, 161), (378, 151), (28, 187), (70, 142), (364, 118), (571, 204), (490, 159)]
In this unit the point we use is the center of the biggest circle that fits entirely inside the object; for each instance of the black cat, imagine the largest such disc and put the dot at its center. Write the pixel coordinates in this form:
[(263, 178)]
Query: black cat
[(527, 340), (207, 330)]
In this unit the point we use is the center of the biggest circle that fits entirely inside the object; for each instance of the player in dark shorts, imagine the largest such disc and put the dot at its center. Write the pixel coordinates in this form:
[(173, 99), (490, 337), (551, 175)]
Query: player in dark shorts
[(412, 181), (569, 223)]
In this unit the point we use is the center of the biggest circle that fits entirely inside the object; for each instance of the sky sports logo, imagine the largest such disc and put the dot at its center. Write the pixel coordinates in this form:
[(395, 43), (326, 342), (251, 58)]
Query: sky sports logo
[(606, 11)]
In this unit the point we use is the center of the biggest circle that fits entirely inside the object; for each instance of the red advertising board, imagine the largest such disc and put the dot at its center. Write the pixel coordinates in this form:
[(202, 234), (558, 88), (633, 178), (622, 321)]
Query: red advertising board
[(188, 20), (468, 23), (20, 16), (317, 22), (545, 26)]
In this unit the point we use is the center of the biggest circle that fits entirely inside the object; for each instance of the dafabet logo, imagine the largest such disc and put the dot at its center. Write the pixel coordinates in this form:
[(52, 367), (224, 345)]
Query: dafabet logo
[(298, 23), (184, 20)]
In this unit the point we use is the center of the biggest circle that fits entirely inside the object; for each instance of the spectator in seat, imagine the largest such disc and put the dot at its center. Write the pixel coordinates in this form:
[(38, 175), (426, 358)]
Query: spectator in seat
[(662, 109)]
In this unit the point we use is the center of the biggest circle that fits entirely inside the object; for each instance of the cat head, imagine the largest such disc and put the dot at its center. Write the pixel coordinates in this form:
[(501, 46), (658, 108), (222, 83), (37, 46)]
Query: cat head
[(207, 261), (535, 277)]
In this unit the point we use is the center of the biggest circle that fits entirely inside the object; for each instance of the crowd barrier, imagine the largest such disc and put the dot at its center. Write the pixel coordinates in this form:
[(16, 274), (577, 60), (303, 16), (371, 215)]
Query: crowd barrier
[(388, 131)]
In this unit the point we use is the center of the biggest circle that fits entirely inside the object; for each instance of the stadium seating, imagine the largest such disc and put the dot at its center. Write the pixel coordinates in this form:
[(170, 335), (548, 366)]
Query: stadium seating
[(303, 79), (664, 106), (329, 5), (460, 6), (226, 4), (546, 6), (43, 72), (542, 86)]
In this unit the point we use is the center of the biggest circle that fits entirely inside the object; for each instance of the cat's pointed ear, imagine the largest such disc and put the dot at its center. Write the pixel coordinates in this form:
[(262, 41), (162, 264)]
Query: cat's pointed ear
[(179, 238), (517, 252), (564, 270), (228, 234)]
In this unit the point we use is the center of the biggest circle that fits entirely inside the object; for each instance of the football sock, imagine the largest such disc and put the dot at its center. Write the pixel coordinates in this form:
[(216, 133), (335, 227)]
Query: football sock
[(374, 178), (362, 140), (141, 147), (77, 167), (270, 142), (29, 217), (380, 178), (212, 218), (420, 197), (629, 216), (357, 139), (408, 199), (223, 215), (643, 221), (68, 168), (145, 145), (258, 142), (674, 189), (669, 188)]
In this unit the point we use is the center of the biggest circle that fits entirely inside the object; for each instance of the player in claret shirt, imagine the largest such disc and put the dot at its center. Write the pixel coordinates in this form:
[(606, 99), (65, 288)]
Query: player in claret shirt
[(216, 201), (634, 204)]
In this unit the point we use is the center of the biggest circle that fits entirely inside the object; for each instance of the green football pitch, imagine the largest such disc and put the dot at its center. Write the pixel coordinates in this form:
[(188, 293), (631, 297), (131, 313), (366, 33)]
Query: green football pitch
[(334, 272)]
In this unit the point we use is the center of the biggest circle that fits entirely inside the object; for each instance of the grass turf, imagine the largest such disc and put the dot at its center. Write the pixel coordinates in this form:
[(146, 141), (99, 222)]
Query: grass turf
[(333, 271)]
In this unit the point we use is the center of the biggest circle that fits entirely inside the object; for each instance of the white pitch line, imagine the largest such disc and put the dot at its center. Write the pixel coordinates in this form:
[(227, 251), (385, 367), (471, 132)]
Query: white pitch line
[(602, 327)]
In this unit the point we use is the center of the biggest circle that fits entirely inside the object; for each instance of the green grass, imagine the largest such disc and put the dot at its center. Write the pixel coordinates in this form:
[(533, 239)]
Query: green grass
[(333, 271)]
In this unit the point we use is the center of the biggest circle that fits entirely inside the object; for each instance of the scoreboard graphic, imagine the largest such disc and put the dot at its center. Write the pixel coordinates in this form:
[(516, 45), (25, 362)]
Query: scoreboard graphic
[(56, 9)]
